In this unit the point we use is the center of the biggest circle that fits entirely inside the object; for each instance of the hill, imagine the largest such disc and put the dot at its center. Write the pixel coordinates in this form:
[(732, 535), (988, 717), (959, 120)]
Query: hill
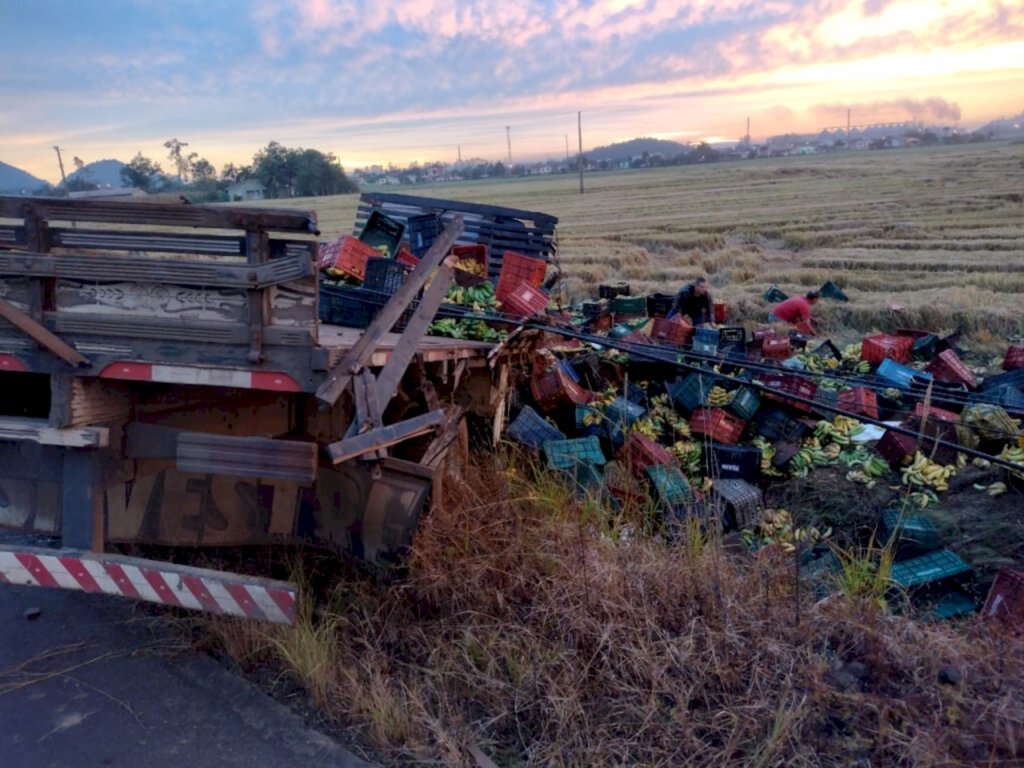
[(625, 150), (103, 173), (18, 181)]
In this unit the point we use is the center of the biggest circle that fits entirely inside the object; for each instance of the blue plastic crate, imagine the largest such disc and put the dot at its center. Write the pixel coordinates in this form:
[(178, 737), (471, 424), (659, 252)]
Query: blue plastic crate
[(565, 454), (691, 392), (623, 411), (670, 485), (899, 375), (706, 335), (568, 370), (935, 566), (912, 532), (530, 429)]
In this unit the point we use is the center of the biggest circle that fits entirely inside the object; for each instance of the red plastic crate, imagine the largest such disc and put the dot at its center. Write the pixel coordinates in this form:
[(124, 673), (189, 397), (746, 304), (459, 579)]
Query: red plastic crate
[(1014, 358), (896, 447), (718, 424), (760, 334), (635, 338), (672, 331), (556, 388), (348, 255), (1005, 600), (778, 386), (524, 301), (939, 414), (859, 400), (517, 269), (875, 349), (406, 256), (640, 451), (931, 431), (947, 367), (775, 348), (720, 311)]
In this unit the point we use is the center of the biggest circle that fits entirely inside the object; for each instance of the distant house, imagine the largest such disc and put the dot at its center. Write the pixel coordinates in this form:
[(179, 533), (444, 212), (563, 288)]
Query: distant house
[(246, 190)]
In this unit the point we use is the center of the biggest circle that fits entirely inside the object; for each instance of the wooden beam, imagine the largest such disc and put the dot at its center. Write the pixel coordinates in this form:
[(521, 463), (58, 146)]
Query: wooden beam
[(437, 450), (259, 457), (383, 437), (38, 431), (40, 334), (357, 357), (391, 375)]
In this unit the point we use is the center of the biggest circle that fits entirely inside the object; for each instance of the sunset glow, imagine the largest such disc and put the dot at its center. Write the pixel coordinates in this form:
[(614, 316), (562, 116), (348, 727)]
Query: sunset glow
[(399, 80)]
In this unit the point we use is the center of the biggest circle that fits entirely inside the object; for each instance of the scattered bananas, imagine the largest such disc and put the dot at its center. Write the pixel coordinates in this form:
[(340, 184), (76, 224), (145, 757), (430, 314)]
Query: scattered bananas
[(472, 266), (924, 498), (925, 472), (1015, 455), (767, 454), (863, 367), (993, 489), (718, 397)]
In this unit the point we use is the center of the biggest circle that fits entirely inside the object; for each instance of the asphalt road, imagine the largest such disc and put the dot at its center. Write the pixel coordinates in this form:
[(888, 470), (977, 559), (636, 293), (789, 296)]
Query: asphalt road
[(89, 683)]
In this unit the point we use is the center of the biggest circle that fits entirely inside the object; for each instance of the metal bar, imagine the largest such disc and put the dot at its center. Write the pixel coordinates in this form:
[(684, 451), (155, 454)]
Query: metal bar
[(40, 334), (80, 500), (39, 431), (260, 457), (383, 437), (357, 357)]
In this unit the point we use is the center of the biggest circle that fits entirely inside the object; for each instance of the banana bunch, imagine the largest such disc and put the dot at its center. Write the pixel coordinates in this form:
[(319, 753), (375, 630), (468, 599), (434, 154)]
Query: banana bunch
[(472, 266), (892, 393), (816, 364), (807, 458), (1015, 455), (838, 431), (924, 498), (860, 476), (689, 455), (875, 467), (767, 454), (851, 353), (925, 472), (479, 297), (718, 397), (993, 490), (863, 366)]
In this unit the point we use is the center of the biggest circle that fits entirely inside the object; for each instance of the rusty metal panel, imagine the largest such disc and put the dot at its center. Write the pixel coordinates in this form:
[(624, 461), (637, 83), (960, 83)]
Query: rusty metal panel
[(246, 457)]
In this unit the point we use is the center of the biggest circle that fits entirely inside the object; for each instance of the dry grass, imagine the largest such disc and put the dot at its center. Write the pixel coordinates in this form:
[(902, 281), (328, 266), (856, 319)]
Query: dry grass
[(530, 627)]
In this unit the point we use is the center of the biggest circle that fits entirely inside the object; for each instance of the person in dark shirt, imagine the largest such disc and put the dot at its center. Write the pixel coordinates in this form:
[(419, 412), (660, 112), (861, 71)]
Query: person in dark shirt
[(694, 302)]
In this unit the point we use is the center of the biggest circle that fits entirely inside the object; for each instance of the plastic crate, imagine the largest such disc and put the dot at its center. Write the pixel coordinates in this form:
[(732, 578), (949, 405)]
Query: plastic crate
[(406, 256), (740, 501), (732, 335), (832, 291), (775, 348), (776, 425), (385, 275), (348, 255), (934, 436), (624, 412), (594, 309), (586, 480), (706, 336), (745, 403), (1012, 378), (720, 312), (634, 306), (1010, 399), (926, 345), (565, 454), (826, 402), (774, 294), (718, 424), (670, 486), (660, 304), (517, 269), (1014, 358), (896, 448), (1005, 600), (382, 230), (622, 486), (524, 301), (947, 367), (611, 290), (555, 388), (353, 307), (875, 349), (784, 386), (673, 331), (422, 231), (530, 429), (927, 569), (913, 534), (690, 393), (639, 452), (827, 351), (732, 462), (901, 376), (706, 348), (860, 401), (991, 422), (939, 414), (477, 253)]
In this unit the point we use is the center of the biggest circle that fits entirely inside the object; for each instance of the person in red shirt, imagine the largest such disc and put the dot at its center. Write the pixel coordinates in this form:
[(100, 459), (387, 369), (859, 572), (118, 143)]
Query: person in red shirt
[(796, 311)]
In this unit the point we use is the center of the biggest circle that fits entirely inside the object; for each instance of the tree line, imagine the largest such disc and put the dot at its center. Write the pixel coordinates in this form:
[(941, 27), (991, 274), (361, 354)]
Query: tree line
[(282, 172)]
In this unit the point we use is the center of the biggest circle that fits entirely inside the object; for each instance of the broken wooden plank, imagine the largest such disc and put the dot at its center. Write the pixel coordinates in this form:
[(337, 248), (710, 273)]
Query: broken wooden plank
[(39, 431), (40, 334), (383, 437), (437, 450), (357, 357)]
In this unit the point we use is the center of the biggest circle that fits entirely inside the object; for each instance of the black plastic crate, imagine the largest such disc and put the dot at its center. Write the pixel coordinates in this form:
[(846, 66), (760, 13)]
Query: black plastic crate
[(382, 230), (739, 500), (827, 350), (732, 462), (736, 334), (691, 392), (745, 403), (353, 307), (385, 275), (775, 424), (421, 232), (825, 400), (660, 304)]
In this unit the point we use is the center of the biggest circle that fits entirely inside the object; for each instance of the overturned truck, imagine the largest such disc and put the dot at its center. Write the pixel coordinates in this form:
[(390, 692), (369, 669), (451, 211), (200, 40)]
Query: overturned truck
[(165, 380)]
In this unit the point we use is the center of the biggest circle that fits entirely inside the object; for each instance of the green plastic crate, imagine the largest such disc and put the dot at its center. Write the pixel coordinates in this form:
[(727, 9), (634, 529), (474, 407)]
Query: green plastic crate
[(912, 532), (690, 393), (774, 294), (950, 605), (629, 305), (565, 454), (935, 566), (619, 331), (745, 403), (670, 485), (586, 479)]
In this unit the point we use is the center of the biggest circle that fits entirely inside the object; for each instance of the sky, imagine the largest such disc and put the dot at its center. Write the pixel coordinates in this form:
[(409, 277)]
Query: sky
[(374, 81)]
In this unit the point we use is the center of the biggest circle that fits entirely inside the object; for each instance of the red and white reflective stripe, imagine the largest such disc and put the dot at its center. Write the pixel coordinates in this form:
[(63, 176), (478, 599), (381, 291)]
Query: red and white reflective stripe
[(180, 586), (200, 376), (11, 363)]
